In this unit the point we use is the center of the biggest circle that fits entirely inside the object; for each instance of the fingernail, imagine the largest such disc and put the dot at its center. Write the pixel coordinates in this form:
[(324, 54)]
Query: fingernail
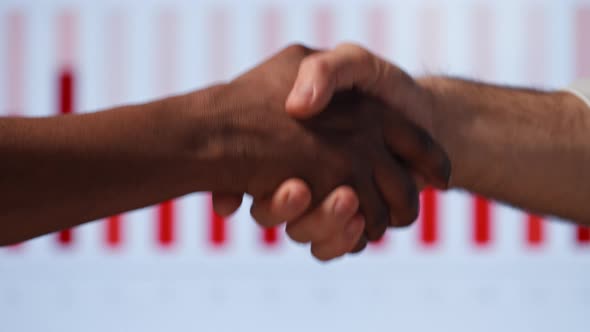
[(338, 208), (289, 200), (303, 93)]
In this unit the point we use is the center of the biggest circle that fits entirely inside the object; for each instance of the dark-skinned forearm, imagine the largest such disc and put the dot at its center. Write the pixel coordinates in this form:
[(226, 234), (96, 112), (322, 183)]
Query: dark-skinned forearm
[(528, 148), (58, 172)]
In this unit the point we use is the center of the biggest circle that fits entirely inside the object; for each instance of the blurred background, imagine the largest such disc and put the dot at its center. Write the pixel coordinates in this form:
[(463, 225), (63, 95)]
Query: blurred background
[(466, 265)]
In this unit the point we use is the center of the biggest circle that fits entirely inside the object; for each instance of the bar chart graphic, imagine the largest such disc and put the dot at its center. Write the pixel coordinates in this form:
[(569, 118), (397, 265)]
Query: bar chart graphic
[(467, 261)]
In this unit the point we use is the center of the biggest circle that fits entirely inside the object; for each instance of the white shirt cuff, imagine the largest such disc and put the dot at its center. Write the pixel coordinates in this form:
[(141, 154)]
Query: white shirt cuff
[(581, 89)]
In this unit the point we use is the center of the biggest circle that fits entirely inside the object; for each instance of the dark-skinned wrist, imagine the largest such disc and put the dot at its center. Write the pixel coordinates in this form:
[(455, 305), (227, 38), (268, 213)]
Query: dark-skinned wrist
[(205, 133)]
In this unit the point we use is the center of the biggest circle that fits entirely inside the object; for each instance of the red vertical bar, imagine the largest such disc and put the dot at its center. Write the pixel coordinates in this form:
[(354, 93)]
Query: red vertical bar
[(65, 237), (66, 91), (270, 236), (536, 36), (115, 90), (219, 22), (430, 47), (428, 217), (482, 33), (323, 22), (583, 235), (481, 217), (271, 32), (66, 106), (217, 234), (66, 103), (535, 230), (113, 231), (67, 40), (582, 54), (166, 223), (166, 78)]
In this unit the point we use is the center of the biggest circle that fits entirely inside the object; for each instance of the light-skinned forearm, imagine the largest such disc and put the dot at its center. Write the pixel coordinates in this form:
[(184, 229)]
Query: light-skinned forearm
[(524, 147), (58, 172)]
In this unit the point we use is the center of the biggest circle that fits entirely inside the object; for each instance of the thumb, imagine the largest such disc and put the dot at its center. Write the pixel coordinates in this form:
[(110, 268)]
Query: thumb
[(312, 90), (321, 74)]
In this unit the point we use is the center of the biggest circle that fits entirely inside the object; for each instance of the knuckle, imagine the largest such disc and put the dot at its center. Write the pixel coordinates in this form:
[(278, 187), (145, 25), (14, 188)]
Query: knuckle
[(220, 209), (351, 47), (365, 57), (322, 258), (322, 254), (294, 233), (297, 49), (264, 221), (325, 231), (261, 217), (359, 53), (322, 225), (318, 65)]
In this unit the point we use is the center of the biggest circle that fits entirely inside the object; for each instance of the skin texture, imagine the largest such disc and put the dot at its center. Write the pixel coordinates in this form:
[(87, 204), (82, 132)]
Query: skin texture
[(394, 199), (78, 168), (320, 75), (541, 138), (413, 151)]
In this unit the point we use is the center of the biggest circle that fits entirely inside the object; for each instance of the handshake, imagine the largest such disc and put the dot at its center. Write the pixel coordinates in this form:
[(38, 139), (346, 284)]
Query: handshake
[(336, 143)]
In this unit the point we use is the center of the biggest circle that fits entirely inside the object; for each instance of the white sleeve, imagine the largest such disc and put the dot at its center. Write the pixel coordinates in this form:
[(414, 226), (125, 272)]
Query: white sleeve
[(581, 89)]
